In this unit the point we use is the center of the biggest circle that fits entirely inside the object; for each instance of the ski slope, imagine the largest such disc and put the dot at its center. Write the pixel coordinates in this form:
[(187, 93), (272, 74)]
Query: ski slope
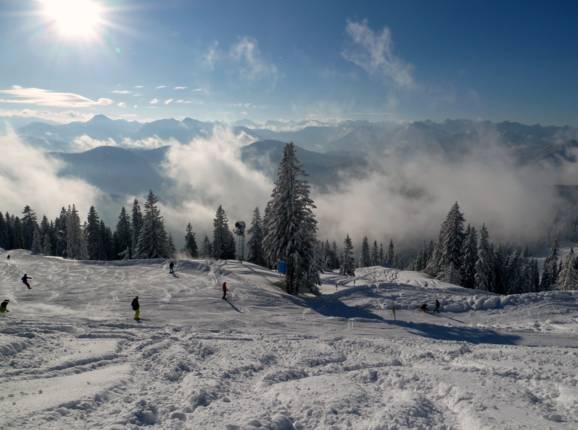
[(71, 357)]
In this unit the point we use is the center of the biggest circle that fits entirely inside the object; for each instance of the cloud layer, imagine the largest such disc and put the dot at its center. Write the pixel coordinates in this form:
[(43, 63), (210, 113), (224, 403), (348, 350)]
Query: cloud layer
[(41, 97)]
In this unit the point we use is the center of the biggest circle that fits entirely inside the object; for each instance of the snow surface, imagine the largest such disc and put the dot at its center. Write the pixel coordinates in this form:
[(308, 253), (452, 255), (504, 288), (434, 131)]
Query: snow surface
[(71, 357)]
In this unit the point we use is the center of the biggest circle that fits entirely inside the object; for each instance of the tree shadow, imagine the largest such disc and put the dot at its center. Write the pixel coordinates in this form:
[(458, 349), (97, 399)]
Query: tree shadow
[(458, 334), (332, 307)]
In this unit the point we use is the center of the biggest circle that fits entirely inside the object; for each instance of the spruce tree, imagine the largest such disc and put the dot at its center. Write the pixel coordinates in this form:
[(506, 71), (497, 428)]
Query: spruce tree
[(123, 236), (60, 248), (191, 242), (36, 246), (450, 246), (136, 226), (75, 241), (93, 236), (347, 260), (390, 256), (470, 258), (365, 254), (568, 279), (291, 225), (484, 278), (207, 248), (223, 240), (375, 254), (551, 269), (29, 224), (153, 240), (256, 253)]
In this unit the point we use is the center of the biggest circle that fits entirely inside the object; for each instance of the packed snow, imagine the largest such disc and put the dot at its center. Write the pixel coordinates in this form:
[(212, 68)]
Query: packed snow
[(72, 357)]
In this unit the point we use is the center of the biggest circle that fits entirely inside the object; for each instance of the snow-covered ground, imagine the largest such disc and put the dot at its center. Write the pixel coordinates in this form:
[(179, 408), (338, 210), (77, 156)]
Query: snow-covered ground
[(71, 357)]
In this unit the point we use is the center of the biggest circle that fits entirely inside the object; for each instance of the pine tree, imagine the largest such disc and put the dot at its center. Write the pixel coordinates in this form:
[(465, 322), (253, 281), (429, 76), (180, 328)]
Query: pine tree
[(551, 270), (390, 256), (75, 242), (136, 226), (207, 248), (291, 225), (347, 260), (61, 235), (470, 253), (153, 241), (381, 255), (123, 236), (375, 254), (171, 246), (484, 278), (256, 253), (450, 246), (568, 279), (223, 240), (365, 255), (93, 236), (191, 242), (36, 246), (29, 224)]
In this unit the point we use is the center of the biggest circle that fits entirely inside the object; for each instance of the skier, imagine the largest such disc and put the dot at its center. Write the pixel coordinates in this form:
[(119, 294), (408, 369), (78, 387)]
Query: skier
[(225, 291), (438, 306), (393, 310), (4, 306), (25, 279), (8, 257), (171, 268), (136, 308), (424, 307)]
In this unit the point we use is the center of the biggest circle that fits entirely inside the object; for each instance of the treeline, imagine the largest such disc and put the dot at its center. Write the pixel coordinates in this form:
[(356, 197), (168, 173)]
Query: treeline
[(139, 235), (466, 257)]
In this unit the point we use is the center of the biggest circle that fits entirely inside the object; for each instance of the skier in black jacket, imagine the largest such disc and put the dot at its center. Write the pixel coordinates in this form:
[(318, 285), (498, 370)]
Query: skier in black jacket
[(25, 279), (136, 308), (4, 306)]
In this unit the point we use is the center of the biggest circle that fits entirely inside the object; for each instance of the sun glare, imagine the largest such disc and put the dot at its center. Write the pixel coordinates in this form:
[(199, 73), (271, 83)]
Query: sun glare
[(74, 19)]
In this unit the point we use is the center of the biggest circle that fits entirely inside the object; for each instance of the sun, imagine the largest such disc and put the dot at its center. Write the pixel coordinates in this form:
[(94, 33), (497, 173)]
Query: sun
[(74, 19)]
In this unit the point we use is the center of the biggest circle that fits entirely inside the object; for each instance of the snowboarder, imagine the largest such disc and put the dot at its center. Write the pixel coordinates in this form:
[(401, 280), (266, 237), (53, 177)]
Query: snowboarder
[(225, 291), (136, 308), (438, 306), (8, 257), (25, 279), (424, 307), (172, 268), (4, 306)]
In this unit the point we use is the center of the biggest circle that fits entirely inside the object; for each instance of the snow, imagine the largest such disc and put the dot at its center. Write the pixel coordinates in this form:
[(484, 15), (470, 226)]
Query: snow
[(72, 357)]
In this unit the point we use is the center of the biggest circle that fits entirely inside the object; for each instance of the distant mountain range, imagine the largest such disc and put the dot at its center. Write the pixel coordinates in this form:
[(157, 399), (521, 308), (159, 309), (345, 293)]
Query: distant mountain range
[(122, 164)]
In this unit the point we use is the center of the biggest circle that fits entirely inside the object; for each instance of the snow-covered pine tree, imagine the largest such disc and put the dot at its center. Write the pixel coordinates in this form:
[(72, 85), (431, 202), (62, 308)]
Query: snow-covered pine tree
[(223, 240), (470, 258), (94, 243), (256, 254), (136, 225), (390, 256), (290, 232), (450, 246), (206, 248), (551, 269), (60, 234), (568, 279), (375, 254), (381, 255), (36, 246), (123, 236), (485, 264), (365, 254), (29, 224), (75, 243), (171, 246), (191, 242), (153, 240), (347, 261)]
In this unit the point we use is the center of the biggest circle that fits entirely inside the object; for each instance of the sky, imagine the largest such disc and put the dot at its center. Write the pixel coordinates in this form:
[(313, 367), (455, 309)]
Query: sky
[(228, 60)]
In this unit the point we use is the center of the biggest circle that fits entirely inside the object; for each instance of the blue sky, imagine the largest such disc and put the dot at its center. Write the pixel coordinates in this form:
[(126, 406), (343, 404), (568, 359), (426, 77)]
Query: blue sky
[(229, 60)]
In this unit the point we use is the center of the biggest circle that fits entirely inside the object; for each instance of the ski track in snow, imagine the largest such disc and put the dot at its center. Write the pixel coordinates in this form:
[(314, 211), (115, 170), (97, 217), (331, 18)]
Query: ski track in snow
[(71, 357)]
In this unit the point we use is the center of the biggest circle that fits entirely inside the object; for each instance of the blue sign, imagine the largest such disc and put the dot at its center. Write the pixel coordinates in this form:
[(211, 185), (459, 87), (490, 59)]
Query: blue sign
[(282, 266)]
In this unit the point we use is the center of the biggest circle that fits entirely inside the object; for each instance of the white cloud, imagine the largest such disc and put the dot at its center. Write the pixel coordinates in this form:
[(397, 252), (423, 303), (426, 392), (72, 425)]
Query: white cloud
[(121, 104), (160, 87), (246, 56), (138, 87), (85, 143), (373, 52), (121, 92), (29, 176), (200, 90), (42, 97), (180, 88), (169, 101), (154, 101)]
